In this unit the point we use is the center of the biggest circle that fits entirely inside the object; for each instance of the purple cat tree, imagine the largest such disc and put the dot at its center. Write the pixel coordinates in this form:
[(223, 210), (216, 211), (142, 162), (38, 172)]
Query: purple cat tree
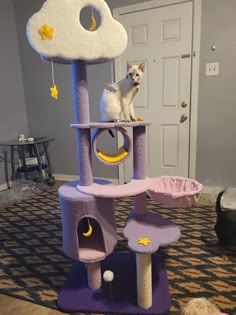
[(140, 284)]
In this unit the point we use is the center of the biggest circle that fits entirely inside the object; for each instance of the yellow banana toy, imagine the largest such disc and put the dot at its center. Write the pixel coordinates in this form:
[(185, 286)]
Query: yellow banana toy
[(119, 156)]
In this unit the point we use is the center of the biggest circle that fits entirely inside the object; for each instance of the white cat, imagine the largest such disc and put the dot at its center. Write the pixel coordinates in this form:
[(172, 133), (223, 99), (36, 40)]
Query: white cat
[(117, 99)]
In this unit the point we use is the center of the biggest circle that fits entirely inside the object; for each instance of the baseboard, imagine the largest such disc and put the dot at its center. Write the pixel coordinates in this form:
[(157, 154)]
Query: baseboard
[(210, 192), (68, 178), (4, 186), (211, 189)]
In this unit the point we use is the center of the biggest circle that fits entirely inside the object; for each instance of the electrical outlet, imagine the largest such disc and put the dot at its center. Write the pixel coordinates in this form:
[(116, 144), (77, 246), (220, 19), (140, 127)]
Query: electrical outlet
[(212, 68)]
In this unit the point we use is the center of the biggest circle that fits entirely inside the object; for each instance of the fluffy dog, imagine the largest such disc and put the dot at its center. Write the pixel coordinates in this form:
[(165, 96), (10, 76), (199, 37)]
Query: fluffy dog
[(200, 306)]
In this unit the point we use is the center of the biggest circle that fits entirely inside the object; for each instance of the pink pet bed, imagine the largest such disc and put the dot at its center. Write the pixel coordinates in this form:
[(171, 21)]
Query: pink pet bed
[(174, 191)]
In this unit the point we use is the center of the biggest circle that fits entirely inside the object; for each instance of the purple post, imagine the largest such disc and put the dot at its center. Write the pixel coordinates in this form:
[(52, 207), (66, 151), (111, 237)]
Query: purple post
[(80, 92), (85, 157), (94, 275), (139, 151), (140, 203), (81, 108), (139, 160)]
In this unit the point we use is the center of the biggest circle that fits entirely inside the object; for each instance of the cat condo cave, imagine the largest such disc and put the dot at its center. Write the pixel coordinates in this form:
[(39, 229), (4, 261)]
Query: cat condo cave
[(140, 284)]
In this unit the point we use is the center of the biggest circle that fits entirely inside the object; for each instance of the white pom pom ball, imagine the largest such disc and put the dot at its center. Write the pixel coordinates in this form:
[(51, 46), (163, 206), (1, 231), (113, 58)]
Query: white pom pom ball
[(108, 276)]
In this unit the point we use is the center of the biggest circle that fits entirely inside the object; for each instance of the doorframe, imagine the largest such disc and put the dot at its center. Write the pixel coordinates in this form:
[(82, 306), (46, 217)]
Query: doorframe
[(196, 38)]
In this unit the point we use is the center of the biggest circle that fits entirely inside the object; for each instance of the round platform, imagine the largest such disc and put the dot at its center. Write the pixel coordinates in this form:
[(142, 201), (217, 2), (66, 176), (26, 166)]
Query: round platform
[(107, 125), (134, 187), (146, 233), (68, 62)]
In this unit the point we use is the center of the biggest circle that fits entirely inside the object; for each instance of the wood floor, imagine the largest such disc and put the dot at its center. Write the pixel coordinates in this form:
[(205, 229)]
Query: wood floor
[(12, 306)]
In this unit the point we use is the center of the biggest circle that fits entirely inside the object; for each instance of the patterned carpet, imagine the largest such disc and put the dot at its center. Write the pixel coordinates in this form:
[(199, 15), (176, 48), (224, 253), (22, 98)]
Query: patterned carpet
[(33, 266)]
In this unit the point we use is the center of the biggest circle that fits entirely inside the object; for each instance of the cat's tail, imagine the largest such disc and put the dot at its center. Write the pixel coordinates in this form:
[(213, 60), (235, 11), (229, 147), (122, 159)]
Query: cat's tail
[(218, 201), (111, 133)]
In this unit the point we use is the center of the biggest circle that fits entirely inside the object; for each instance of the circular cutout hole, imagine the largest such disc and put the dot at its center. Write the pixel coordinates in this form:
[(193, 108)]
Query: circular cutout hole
[(108, 155), (106, 143), (90, 19)]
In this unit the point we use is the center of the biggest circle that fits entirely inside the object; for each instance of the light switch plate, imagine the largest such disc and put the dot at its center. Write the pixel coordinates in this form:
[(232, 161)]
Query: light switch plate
[(212, 68)]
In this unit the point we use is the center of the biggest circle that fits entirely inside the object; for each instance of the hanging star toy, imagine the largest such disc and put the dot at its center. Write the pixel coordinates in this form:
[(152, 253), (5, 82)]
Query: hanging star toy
[(53, 89), (46, 32), (144, 241), (54, 92)]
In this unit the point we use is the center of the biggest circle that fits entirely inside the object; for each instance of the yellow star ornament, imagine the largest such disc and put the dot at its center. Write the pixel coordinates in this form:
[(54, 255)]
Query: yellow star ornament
[(54, 92), (46, 32), (144, 241)]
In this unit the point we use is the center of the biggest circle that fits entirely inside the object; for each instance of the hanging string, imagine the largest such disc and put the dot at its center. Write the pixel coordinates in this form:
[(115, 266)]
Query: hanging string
[(88, 220), (112, 72), (92, 12), (53, 89), (53, 79)]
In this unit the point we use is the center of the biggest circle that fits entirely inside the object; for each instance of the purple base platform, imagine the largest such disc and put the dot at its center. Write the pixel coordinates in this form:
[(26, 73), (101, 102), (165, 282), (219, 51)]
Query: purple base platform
[(122, 297)]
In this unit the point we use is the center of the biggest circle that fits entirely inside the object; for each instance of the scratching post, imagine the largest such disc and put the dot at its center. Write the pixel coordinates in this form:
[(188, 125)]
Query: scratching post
[(94, 275), (56, 33), (82, 116), (80, 91), (139, 152), (144, 280), (85, 157), (140, 204)]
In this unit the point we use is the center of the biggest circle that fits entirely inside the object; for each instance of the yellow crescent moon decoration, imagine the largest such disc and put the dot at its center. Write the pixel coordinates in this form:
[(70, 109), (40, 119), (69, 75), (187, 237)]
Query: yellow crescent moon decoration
[(90, 231), (94, 24)]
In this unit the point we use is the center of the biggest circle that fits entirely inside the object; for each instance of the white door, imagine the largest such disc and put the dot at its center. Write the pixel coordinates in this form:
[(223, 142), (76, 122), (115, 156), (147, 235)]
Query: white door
[(162, 39)]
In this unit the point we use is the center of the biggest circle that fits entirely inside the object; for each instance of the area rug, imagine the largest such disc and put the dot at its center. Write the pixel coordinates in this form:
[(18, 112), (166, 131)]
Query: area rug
[(33, 266)]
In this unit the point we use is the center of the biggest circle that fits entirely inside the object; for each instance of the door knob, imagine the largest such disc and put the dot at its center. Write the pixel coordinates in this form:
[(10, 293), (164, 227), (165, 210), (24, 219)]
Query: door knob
[(183, 118), (183, 104)]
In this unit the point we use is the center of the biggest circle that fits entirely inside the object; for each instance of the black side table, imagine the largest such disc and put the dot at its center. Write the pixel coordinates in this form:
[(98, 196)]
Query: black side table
[(38, 149)]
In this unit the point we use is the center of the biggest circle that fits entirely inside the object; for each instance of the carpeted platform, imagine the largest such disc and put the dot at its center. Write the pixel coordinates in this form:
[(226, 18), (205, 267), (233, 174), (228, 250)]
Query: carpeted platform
[(33, 266), (121, 296)]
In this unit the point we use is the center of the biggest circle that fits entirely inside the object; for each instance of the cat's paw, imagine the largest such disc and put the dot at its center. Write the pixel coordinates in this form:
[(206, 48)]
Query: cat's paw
[(140, 119), (127, 120), (134, 119)]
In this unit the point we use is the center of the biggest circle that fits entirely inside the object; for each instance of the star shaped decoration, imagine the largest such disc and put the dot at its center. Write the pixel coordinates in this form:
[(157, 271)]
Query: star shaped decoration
[(46, 32), (144, 241), (54, 92)]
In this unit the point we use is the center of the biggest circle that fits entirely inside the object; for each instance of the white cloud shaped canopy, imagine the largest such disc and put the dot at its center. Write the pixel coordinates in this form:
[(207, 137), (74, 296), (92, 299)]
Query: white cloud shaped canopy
[(70, 39)]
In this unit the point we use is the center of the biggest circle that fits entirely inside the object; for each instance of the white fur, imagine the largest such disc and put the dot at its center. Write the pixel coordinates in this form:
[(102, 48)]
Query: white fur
[(117, 99), (70, 40), (200, 306)]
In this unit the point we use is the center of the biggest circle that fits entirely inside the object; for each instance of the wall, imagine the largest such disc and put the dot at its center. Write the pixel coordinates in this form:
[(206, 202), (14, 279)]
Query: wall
[(216, 146), (13, 120), (122, 3)]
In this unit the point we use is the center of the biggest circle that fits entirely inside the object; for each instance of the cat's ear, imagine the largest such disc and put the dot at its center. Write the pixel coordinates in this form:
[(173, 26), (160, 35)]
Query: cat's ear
[(128, 65), (142, 66)]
